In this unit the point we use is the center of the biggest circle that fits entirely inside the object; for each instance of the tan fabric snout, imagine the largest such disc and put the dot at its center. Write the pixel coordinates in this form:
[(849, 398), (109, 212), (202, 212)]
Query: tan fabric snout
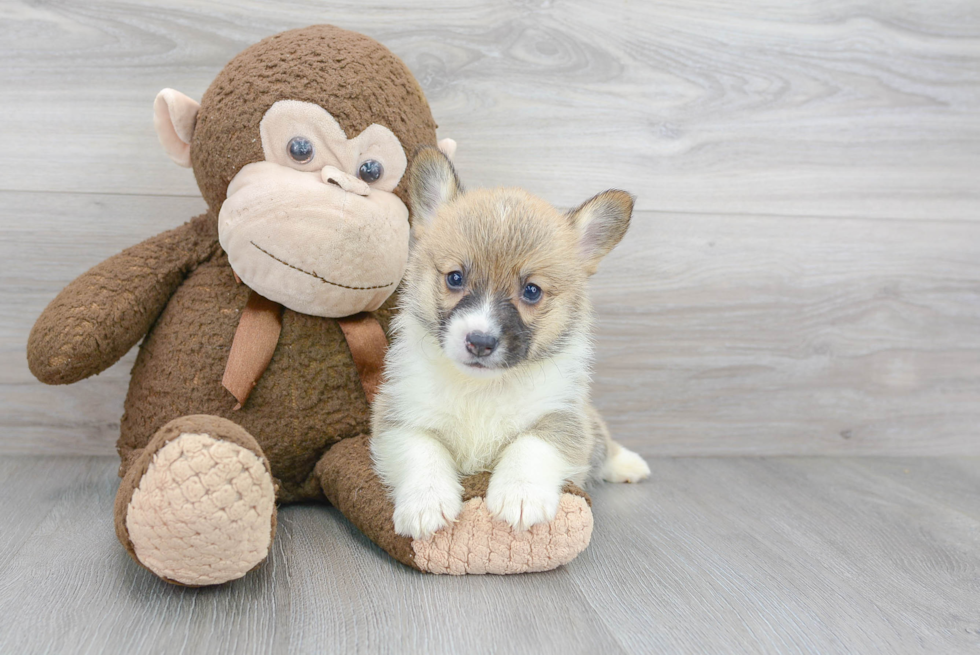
[(313, 246), (349, 183)]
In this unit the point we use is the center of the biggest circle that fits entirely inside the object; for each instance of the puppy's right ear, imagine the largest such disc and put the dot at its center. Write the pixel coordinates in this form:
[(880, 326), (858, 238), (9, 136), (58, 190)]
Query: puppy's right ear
[(432, 182), (601, 222)]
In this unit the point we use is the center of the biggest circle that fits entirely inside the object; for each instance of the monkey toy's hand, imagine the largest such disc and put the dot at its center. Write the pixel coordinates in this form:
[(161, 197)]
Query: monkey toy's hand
[(97, 318)]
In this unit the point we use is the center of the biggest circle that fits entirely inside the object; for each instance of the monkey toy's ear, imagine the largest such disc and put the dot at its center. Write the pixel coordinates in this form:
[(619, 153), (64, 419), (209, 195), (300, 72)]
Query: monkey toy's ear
[(174, 117)]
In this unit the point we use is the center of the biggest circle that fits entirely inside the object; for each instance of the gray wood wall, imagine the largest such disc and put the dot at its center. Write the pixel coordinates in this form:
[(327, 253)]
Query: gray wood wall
[(803, 274)]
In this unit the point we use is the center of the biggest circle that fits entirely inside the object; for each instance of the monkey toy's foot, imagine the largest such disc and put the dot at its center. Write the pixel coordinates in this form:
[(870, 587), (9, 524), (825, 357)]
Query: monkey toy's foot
[(478, 543), (198, 506), (474, 543)]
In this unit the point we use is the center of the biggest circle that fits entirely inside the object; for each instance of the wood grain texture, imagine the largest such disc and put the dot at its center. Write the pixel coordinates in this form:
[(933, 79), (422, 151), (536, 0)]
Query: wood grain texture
[(789, 556), (736, 555), (768, 335), (46, 240), (840, 108), (801, 277)]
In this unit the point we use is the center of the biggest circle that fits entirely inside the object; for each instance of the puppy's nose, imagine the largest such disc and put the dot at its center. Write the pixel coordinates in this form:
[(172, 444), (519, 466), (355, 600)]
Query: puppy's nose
[(480, 344)]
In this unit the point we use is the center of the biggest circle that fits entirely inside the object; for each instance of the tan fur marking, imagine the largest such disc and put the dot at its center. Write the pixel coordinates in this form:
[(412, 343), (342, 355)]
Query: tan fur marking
[(495, 237)]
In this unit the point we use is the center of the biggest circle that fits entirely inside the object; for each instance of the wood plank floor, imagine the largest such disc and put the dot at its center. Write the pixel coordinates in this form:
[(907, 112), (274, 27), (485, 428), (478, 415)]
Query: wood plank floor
[(735, 555)]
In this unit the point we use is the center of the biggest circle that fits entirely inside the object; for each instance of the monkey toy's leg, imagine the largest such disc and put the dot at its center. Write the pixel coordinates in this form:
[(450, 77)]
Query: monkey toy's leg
[(198, 505), (474, 543)]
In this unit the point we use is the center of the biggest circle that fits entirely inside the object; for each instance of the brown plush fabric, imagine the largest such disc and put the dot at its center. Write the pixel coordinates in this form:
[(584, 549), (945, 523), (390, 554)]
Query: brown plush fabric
[(308, 398), (100, 316), (352, 486), (355, 78)]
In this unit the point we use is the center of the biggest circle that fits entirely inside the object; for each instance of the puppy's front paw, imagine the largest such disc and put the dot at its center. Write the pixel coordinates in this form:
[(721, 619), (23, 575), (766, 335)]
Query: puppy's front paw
[(422, 509), (522, 503)]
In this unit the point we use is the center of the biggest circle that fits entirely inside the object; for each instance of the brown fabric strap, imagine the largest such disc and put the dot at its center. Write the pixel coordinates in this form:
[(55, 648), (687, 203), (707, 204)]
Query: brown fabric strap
[(368, 343), (252, 348)]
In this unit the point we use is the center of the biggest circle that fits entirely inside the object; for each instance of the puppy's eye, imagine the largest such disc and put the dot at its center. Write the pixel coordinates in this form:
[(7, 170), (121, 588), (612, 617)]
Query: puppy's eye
[(532, 294), (371, 171), (454, 280), (300, 149)]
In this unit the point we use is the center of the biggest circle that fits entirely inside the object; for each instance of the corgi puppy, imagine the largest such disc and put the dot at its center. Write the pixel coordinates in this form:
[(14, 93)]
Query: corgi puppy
[(490, 362)]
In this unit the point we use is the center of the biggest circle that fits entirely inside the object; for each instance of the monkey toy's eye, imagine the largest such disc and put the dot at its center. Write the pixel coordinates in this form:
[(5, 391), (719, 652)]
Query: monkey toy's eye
[(532, 294), (300, 149), (371, 171), (454, 280)]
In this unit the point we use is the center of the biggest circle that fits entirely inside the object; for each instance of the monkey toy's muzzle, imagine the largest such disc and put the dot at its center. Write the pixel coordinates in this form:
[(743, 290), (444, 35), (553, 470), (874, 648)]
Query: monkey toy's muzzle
[(322, 242)]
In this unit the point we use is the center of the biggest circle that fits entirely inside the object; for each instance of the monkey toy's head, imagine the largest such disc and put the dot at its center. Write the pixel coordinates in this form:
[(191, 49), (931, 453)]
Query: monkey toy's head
[(299, 147)]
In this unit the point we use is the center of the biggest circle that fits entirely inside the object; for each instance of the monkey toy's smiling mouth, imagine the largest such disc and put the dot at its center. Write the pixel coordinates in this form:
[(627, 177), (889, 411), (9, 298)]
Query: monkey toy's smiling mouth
[(322, 279), (311, 246), (316, 225)]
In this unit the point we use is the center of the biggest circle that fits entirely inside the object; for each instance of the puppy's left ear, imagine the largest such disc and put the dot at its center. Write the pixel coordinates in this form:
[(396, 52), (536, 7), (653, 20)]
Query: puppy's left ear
[(432, 182), (601, 222)]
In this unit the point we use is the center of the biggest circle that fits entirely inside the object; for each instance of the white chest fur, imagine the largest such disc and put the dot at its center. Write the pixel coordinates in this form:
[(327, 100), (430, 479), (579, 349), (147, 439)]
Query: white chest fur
[(476, 417)]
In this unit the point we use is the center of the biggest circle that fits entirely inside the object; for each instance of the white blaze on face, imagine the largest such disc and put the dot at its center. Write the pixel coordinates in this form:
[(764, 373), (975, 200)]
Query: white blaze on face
[(310, 232), (479, 318)]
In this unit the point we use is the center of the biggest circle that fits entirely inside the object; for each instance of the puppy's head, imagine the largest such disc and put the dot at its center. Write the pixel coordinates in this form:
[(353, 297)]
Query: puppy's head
[(499, 276)]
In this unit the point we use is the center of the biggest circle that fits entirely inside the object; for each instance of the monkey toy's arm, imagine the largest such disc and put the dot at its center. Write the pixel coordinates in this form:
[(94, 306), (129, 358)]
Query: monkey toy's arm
[(96, 319)]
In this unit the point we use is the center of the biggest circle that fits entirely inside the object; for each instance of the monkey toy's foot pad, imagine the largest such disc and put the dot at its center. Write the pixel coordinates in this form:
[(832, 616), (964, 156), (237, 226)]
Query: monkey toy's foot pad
[(203, 512), (474, 543), (477, 543)]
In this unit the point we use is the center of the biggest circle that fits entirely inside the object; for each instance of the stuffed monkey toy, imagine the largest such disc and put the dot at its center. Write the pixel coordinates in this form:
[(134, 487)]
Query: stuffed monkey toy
[(263, 321)]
